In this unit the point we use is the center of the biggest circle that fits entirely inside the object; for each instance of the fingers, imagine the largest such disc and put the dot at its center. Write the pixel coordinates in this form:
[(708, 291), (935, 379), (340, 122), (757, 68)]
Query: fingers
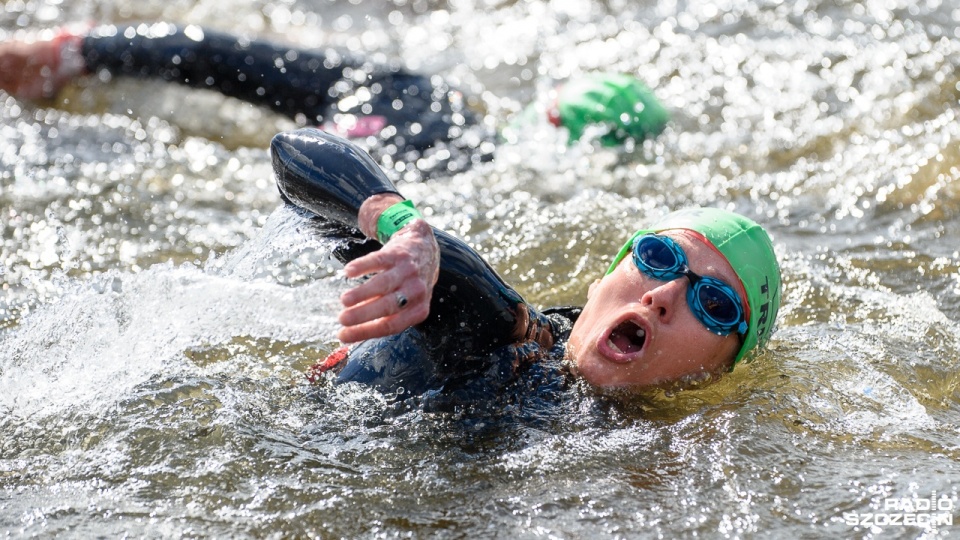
[(385, 304), (407, 265), (36, 69), (368, 264), (372, 309), (383, 283), (29, 68), (385, 326)]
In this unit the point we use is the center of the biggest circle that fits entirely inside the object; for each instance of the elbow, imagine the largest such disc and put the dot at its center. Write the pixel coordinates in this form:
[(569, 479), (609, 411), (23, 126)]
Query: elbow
[(325, 174), (283, 155)]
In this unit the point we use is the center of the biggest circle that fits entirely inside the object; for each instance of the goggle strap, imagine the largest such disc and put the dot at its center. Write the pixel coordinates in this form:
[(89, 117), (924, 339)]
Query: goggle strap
[(627, 248)]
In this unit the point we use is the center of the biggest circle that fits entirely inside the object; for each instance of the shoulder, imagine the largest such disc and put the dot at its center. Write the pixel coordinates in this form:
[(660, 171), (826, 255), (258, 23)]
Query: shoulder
[(561, 320), (571, 313)]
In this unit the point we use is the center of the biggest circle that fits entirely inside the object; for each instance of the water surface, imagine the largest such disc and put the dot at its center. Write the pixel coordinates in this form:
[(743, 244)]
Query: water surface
[(159, 307)]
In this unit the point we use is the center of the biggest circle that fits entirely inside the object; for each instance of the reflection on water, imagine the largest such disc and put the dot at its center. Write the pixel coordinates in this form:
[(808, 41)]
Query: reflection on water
[(158, 309)]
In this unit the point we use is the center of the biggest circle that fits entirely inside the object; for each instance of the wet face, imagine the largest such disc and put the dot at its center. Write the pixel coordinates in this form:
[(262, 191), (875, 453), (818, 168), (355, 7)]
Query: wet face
[(637, 332)]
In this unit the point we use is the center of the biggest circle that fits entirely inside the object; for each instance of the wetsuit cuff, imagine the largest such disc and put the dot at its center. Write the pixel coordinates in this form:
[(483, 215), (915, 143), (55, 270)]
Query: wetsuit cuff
[(395, 218)]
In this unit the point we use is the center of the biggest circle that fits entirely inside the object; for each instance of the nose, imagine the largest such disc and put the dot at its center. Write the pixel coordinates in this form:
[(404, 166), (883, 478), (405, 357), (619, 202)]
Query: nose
[(666, 298)]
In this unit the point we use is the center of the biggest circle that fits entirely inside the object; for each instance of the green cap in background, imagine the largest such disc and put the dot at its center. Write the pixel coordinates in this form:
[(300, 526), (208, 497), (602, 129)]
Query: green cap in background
[(620, 102)]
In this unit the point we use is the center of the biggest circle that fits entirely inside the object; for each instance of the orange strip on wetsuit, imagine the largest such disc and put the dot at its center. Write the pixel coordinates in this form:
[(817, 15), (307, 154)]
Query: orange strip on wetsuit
[(331, 361)]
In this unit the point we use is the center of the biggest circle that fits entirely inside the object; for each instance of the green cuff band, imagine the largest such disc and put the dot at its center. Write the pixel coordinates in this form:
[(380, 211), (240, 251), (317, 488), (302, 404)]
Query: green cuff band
[(395, 218)]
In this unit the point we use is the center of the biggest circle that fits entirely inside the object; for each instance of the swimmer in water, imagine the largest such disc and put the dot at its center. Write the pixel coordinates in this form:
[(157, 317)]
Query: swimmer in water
[(401, 114), (684, 300)]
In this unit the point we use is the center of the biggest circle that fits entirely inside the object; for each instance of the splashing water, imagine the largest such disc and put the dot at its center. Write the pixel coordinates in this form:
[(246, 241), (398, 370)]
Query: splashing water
[(159, 306)]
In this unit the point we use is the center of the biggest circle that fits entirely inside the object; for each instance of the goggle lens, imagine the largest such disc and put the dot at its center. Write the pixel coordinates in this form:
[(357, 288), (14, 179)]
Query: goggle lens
[(716, 301), (659, 259)]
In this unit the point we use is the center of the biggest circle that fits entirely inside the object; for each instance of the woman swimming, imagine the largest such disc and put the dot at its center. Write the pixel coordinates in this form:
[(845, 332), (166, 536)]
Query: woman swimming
[(686, 298), (403, 114)]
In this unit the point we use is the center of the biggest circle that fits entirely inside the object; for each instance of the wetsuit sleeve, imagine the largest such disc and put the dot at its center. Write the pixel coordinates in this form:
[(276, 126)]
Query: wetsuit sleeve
[(349, 94), (288, 81), (472, 309)]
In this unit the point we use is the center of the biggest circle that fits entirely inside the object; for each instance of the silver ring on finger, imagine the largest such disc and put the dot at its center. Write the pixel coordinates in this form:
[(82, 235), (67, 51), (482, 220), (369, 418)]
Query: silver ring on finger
[(401, 300)]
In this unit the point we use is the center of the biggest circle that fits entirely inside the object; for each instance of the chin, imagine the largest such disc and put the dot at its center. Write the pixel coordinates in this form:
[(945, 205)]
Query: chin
[(600, 378), (604, 376)]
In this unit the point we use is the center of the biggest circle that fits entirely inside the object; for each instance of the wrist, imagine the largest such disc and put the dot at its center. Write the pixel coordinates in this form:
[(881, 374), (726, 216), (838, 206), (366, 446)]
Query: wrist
[(372, 209), (395, 218)]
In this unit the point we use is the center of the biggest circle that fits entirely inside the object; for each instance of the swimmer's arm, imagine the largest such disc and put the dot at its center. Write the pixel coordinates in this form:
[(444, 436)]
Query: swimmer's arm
[(407, 264)]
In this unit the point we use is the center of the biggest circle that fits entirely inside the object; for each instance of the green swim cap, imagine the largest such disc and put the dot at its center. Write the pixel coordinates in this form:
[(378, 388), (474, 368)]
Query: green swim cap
[(620, 102), (747, 248)]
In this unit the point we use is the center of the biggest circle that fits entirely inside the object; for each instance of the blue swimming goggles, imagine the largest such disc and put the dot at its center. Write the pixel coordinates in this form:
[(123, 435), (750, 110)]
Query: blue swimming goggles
[(713, 302)]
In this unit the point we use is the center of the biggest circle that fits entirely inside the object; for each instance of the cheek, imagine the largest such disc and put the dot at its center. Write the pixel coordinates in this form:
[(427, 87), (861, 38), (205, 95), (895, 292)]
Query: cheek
[(573, 344), (716, 353), (592, 288), (729, 352), (578, 335), (691, 347)]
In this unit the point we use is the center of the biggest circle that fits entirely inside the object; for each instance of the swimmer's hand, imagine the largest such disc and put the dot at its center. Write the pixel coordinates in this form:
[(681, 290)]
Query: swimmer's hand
[(408, 265), (39, 67)]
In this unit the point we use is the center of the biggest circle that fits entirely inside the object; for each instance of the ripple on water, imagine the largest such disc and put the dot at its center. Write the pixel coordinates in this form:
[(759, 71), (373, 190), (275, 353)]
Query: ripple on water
[(156, 311)]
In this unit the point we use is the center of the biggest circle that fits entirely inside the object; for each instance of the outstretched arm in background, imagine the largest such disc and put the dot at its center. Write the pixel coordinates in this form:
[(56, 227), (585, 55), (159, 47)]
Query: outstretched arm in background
[(257, 72)]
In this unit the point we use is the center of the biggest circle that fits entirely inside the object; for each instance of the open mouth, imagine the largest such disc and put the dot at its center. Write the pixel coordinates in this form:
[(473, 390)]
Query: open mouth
[(627, 338)]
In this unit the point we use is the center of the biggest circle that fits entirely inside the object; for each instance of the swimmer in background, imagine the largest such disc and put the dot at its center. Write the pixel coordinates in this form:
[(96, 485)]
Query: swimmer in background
[(402, 115), (684, 300)]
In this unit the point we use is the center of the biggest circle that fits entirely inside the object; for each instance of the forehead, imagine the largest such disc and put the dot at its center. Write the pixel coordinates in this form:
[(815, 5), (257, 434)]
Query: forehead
[(704, 258)]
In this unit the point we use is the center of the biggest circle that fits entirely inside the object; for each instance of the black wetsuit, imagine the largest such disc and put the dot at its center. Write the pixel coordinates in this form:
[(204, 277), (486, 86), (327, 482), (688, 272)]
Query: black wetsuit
[(479, 328), (404, 115)]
